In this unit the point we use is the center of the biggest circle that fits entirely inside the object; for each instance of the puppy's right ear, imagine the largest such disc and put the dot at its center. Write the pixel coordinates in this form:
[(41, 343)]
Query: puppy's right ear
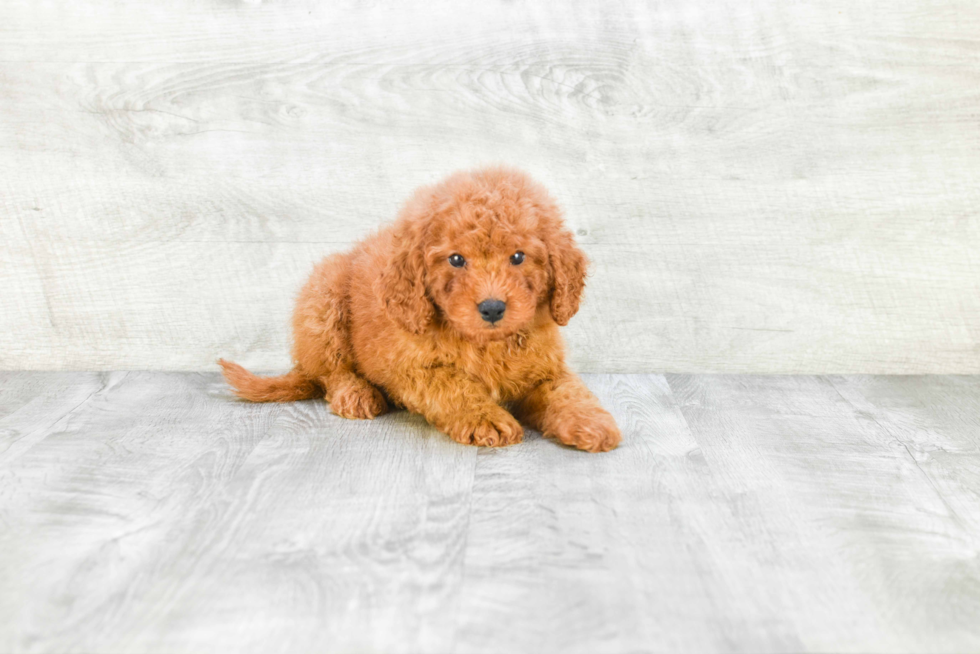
[(401, 285)]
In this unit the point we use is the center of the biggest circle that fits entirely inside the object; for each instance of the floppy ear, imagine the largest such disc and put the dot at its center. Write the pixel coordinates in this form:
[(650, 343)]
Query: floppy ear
[(568, 266), (401, 285)]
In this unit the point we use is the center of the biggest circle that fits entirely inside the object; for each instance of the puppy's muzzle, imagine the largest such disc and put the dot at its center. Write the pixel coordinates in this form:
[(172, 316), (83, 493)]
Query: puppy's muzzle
[(491, 310)]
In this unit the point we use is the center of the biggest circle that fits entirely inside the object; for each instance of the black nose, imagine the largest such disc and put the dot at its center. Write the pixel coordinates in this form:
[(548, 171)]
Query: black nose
[(492, 310)]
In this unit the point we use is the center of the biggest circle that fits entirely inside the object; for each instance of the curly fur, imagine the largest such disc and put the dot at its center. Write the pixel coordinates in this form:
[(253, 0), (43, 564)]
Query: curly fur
[(393, 321)]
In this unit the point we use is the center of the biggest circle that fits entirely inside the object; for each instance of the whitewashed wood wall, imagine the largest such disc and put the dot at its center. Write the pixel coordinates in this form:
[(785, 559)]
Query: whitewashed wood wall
[(763, 185)]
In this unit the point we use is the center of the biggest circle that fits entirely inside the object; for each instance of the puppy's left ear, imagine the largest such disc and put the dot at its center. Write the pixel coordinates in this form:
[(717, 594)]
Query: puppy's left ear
[(569, 266)]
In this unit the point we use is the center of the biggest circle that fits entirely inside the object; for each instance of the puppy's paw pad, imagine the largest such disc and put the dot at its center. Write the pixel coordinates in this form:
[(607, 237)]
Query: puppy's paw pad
[(358, 402), (495, 431), (596, 433)]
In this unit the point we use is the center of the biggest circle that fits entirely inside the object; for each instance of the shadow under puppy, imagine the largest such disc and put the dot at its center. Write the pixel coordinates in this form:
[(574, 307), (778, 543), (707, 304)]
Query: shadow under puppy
[(452, 311)]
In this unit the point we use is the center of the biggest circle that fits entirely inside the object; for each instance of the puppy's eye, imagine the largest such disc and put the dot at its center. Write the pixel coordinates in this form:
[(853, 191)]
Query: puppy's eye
[(517, 258), (457, 260)]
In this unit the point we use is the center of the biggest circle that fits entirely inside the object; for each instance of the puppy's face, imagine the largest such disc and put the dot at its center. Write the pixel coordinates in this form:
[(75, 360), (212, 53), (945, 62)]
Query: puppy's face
[(485, 249), (487, 269)]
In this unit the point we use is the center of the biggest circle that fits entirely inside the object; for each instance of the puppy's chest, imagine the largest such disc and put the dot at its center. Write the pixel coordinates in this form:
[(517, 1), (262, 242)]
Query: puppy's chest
[(507, 368)]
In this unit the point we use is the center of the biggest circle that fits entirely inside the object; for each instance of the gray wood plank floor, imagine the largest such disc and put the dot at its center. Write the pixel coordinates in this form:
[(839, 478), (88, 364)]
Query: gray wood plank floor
[(152, 512)]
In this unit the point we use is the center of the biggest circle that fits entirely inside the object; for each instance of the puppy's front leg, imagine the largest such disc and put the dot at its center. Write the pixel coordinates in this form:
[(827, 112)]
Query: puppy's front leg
[(566, 410), (460, 407)]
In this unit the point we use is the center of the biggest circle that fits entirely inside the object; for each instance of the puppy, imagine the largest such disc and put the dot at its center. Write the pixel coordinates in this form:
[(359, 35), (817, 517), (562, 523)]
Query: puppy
[(451, 312)]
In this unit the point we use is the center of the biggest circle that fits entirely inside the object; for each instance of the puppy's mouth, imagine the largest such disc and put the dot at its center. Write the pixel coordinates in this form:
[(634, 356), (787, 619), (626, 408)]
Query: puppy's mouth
[(494, 329), (490, 331)]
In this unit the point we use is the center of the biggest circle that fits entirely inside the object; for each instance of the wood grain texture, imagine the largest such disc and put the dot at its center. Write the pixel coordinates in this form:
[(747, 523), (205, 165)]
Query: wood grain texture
[(171, 495), (153, 512), (761, 186)]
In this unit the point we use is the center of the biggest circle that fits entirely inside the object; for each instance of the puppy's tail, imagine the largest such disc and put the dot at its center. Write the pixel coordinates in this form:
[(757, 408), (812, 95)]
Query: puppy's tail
[(286, 388)]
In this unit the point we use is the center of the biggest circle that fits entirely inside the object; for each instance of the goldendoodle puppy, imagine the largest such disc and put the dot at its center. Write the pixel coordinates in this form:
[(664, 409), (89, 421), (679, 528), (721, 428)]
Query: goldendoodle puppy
[(451, 312)]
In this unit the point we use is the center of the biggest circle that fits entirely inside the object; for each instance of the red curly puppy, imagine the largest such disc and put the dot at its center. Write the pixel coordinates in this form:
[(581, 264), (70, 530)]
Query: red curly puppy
[(452, 312)]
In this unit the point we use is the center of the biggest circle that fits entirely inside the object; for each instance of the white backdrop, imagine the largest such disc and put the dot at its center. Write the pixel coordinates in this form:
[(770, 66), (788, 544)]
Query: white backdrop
[(762, 185)]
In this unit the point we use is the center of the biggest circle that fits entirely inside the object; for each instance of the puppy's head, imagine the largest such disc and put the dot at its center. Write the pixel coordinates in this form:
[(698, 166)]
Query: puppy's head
[(484, 249)]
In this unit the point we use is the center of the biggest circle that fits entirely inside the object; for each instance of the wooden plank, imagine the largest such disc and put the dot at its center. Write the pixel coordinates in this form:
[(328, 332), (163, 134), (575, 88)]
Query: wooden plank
[(102, 499), (835, 516), (741, 513), (936, 419), (762, 187), (335, 536), (139, 314), (188, 31), (22, 389), (33, 404), (165, 509)]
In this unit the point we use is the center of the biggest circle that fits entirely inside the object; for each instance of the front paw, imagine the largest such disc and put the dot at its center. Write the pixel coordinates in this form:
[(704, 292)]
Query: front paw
[(592, 432), (496, 430)]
